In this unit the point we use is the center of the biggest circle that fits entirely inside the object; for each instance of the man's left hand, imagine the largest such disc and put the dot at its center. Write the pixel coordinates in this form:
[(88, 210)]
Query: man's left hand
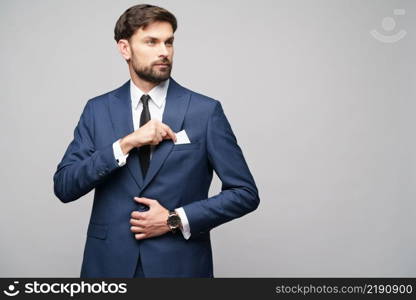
[(149, 223)]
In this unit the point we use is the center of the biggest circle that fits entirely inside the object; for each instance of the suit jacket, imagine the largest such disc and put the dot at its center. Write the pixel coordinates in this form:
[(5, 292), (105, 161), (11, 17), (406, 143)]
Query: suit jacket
[(178, 176)]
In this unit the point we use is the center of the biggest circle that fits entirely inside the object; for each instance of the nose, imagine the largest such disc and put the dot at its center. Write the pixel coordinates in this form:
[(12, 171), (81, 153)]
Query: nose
[(163, 50)]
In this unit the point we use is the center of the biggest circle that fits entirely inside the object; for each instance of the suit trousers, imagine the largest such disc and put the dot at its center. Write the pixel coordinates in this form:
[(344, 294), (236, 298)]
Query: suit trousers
[(139, 269)]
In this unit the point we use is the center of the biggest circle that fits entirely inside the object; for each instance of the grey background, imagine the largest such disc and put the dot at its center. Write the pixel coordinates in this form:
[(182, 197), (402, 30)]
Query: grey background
[(331, 143)]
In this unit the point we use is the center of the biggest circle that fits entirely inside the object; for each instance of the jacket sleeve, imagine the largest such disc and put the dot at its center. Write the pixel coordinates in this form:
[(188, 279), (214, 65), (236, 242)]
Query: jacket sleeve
[(83, 166), (239, 194)]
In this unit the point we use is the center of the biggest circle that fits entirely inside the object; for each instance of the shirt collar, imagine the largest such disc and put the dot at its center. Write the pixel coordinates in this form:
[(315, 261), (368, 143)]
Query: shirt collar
[(157, 94)]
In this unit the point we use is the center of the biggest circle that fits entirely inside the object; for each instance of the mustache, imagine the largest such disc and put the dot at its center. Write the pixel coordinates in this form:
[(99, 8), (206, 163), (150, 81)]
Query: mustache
[(164, 61)]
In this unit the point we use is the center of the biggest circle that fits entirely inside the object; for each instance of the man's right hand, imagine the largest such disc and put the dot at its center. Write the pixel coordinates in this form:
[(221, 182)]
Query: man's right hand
[(151, 133)]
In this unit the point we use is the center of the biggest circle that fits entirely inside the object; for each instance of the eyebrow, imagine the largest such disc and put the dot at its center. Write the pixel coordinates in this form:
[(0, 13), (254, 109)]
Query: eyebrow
[(155, 38)]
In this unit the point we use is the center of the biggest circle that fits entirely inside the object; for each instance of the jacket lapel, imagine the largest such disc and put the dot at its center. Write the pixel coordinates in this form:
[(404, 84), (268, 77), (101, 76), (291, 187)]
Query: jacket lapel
[(121, 115), (177, 100)]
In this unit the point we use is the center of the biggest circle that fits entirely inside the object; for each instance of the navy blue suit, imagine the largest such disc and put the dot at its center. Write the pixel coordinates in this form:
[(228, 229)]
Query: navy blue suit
[(178, 176)]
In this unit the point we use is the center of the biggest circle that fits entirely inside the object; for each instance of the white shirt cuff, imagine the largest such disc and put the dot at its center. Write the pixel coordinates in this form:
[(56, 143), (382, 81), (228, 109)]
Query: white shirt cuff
[(118, 154), (186, 230)]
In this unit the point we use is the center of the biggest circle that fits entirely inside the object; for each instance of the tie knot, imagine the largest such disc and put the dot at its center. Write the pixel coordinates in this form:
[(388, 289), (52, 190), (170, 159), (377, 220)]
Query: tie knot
[(145, 99)]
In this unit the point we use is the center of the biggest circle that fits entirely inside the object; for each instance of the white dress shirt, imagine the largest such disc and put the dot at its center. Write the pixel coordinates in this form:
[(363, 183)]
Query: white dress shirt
[(156, 108)]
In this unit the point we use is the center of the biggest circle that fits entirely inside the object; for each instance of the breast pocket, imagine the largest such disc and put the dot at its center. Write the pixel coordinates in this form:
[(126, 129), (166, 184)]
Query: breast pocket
[(191, 146)]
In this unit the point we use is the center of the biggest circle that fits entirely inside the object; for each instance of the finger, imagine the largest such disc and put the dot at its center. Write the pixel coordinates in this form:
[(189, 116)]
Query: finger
[(137, 229), (146, 201), (154, 142), (157, 139), (163, 133), (136, 222), (170, 133), (156, 132), (137, 215), (140, 236), (159, 133)]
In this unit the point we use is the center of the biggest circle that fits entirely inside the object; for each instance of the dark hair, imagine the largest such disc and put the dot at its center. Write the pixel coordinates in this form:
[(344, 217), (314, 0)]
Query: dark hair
[(140, 16)]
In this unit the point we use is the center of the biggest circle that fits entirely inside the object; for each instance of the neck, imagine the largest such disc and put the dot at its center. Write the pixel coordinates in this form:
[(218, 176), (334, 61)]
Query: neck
[(143, 85)]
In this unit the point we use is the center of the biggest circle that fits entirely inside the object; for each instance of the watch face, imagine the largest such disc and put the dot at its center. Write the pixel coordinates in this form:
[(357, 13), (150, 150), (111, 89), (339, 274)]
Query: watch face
[(174, 221)]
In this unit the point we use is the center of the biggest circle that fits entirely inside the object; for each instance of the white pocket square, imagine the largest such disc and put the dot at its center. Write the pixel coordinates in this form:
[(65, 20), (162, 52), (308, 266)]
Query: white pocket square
[(182, 138)]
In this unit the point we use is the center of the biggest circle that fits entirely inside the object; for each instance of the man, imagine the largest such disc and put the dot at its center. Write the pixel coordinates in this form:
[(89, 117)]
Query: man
[(149, 149)]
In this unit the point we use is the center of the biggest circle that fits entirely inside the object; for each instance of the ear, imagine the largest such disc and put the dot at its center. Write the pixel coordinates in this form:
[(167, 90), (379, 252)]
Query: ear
[(124, 49)]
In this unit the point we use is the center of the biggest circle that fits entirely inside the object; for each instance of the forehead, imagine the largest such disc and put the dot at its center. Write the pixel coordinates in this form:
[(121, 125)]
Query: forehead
[(160, 30)]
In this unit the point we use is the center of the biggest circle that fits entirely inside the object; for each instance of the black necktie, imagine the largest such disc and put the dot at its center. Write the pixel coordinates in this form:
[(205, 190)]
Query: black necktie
[(144, 151)]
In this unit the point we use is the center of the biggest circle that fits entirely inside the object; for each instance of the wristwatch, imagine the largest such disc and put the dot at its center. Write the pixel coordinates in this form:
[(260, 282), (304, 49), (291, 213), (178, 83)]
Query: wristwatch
[(174, 221)]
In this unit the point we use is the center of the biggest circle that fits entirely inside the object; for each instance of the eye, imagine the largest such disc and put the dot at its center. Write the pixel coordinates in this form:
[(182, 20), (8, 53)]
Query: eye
[(150, 42), (169, 43)]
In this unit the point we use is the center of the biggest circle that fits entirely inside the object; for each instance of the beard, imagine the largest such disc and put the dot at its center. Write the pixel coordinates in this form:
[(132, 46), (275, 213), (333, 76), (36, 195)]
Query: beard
[(151, 73)]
